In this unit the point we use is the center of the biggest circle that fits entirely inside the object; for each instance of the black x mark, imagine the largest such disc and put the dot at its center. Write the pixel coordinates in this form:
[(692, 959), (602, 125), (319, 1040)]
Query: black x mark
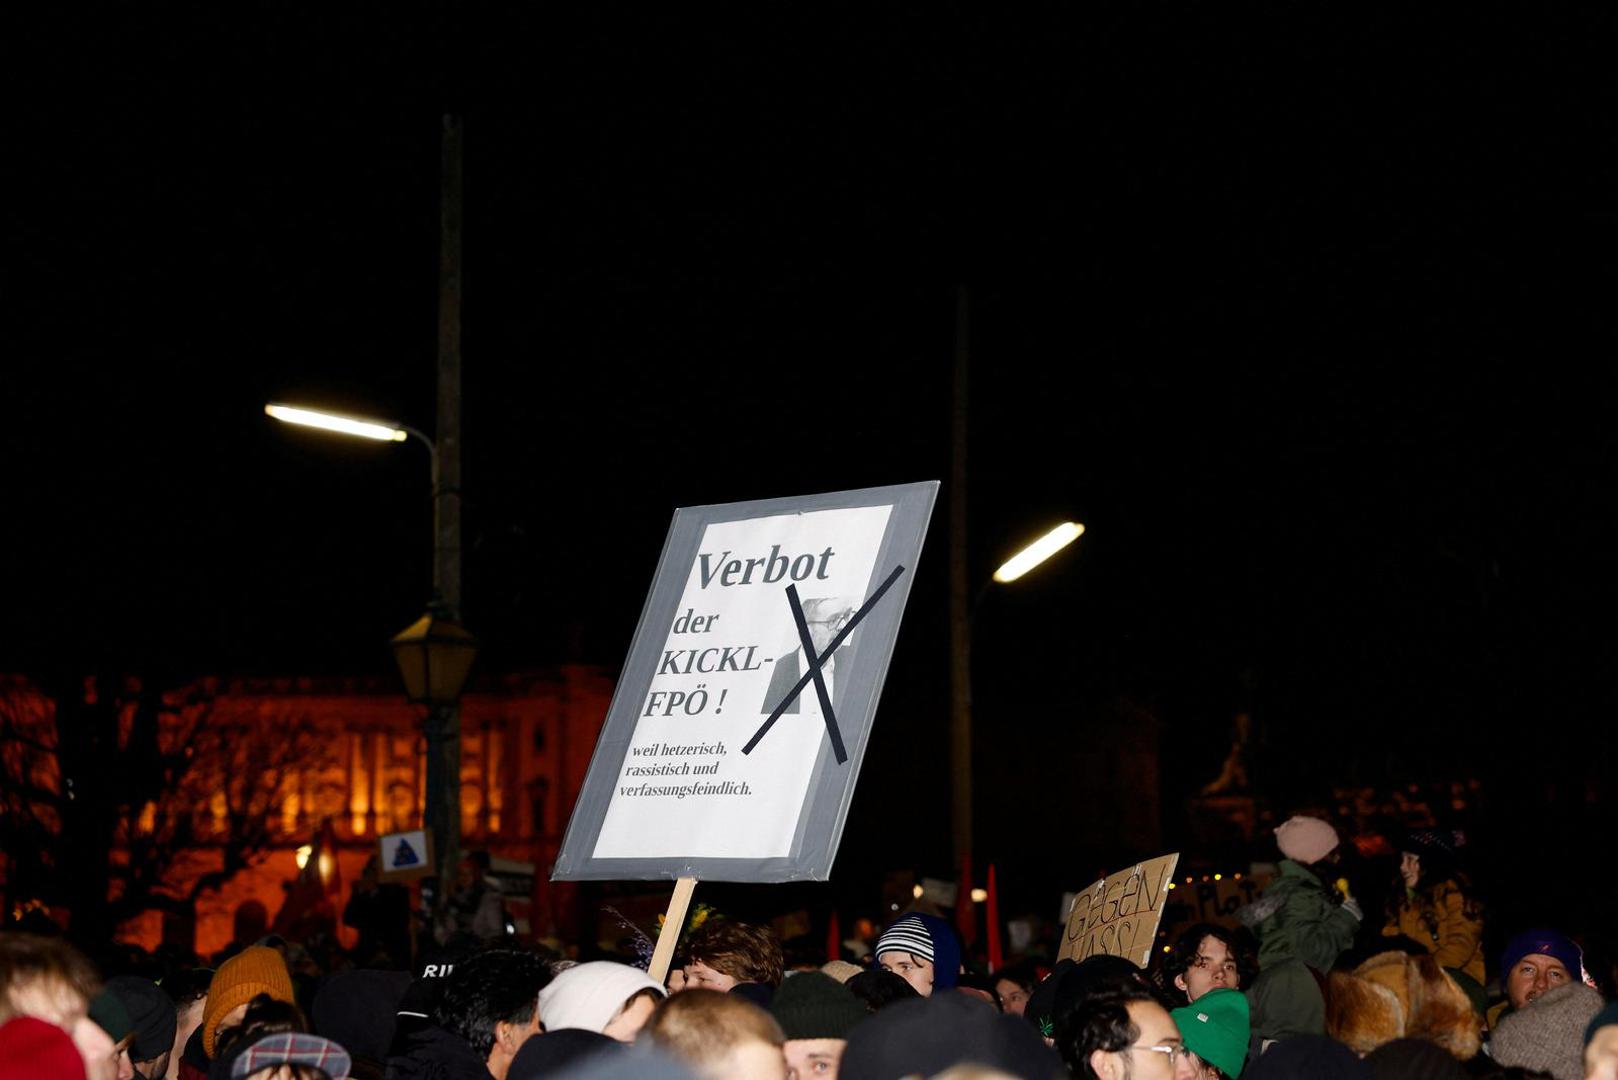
[(815, 663)]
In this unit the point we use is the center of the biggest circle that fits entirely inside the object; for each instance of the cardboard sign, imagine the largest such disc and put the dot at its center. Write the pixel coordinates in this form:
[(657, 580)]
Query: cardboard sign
[(1213, 902), (1118, 915), (405, 855), (737, 729)]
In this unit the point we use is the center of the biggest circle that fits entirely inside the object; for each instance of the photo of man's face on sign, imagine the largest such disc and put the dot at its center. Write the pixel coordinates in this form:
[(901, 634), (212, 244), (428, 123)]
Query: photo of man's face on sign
[(826, 617)]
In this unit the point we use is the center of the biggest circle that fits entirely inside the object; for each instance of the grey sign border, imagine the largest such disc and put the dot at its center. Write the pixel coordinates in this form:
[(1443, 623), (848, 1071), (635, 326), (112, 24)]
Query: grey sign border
[(831, 786)]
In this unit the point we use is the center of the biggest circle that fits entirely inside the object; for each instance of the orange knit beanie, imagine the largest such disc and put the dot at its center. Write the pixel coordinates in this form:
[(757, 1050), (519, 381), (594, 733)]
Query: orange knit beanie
[(253, 971)]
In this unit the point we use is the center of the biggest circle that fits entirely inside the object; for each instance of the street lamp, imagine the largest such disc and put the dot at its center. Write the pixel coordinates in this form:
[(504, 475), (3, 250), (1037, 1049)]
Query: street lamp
[(434, 655), (363, 427), (961, 620), (435, 652), (347, 425), (1037, 552)]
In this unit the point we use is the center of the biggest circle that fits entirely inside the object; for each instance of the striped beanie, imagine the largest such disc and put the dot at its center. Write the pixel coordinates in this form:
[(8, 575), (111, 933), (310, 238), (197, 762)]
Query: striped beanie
[(909, 935), (928, 937)]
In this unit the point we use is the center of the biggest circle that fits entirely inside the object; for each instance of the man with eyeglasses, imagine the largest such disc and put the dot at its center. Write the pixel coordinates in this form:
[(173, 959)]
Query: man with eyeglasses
[(1123, 1034), (826, 616)]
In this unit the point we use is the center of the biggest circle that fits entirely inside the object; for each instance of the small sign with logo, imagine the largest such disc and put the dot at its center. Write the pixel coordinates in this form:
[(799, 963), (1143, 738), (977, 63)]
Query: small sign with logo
[(404, 856)]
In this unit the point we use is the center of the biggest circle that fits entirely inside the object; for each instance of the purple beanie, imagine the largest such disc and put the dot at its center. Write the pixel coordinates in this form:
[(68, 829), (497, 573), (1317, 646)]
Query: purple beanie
[(1548, 943)]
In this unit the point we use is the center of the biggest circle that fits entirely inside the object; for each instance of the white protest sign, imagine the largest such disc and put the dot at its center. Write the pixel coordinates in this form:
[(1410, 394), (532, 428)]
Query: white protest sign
[(1118, 915), (736, 732)]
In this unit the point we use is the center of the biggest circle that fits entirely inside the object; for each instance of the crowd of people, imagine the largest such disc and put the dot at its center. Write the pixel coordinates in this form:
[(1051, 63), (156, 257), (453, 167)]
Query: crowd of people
[(1282, 994)]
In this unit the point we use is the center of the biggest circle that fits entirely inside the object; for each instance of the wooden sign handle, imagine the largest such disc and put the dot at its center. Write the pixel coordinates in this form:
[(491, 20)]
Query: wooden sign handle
[(673, 924)]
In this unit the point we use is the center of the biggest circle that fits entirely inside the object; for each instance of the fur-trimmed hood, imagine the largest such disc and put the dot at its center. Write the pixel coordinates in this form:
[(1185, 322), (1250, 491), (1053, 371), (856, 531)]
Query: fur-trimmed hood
[(1396, 996)]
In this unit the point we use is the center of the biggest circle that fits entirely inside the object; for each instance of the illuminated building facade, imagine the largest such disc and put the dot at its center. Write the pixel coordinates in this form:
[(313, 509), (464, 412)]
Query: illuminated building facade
[(351, 755)]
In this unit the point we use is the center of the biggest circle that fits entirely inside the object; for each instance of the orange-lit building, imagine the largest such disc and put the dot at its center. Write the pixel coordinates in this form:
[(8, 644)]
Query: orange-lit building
[(526, 742)]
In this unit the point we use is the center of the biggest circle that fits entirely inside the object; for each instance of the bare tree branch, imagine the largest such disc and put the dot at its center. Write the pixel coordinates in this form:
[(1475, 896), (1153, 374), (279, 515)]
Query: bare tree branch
[(105, 789)]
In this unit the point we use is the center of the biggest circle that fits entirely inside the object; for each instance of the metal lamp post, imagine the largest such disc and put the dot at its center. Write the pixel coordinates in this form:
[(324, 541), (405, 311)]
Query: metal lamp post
[(435, 655), (962, 618), (435, 652), (962, 603)]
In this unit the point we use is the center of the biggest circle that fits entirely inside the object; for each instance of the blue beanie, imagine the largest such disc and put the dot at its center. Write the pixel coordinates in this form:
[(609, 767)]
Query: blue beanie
[(930, 938), (1545, 942)]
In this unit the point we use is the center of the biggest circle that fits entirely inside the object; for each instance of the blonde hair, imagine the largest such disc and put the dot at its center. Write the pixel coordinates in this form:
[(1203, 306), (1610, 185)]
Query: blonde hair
[(702, 1026)]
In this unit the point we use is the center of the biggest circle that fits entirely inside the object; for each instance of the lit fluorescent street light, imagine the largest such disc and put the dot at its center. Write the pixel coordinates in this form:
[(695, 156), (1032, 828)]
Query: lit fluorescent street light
[(347, 425), (1037, 552)]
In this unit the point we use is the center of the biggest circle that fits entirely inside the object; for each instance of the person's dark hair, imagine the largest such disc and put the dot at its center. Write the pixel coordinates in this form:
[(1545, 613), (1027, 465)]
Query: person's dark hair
[(187, 985), (501, 984), (1069, 984), (1023, 973), (1189, 943), (1438, 869), (265, 1016), (879, 989), (802, 953), (1098, 1022)]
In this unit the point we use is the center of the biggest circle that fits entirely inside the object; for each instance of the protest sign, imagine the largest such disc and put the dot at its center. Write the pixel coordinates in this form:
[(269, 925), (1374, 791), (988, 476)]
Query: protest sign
[(1213, 899), (737, 729), (1118, 915), (402, 856)]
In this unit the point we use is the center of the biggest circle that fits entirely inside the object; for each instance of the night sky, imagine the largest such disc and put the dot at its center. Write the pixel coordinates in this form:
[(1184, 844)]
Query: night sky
[(1307, 316)]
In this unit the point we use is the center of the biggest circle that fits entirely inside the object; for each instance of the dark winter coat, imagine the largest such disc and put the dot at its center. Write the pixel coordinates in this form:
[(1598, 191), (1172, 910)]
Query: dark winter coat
[(435, 1054)]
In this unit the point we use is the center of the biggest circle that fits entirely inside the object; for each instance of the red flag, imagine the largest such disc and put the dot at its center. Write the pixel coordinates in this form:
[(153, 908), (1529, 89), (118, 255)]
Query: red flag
[(991, 916), (966, 922), (834, 939)]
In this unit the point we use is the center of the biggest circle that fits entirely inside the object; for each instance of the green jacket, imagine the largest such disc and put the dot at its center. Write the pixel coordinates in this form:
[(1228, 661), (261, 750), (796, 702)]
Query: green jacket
[(1299, 918)]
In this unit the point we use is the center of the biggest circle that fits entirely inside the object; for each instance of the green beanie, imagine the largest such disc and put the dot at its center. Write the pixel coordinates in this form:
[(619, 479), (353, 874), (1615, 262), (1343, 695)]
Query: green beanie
[(813, 1005), (1215, 1027), (108, 1011)]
